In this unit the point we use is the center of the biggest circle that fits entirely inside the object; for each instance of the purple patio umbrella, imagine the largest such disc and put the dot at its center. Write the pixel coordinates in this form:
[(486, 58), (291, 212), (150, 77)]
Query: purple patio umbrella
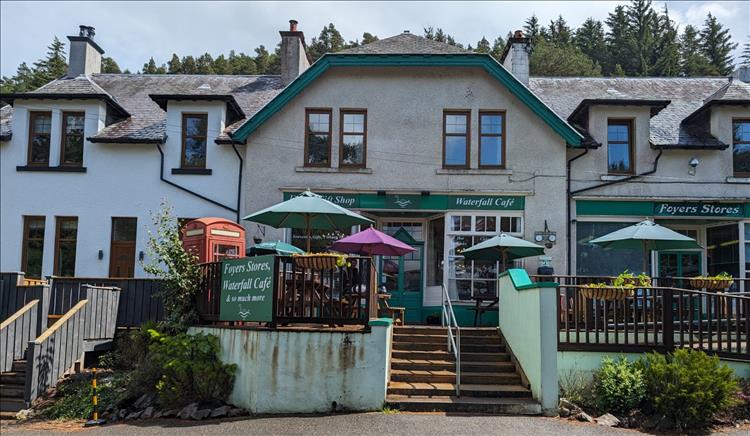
[(369, 242)]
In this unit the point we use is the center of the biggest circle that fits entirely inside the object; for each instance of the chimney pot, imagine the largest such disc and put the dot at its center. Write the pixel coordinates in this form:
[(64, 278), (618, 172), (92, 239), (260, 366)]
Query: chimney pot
[(518, 34), (406, 31), (293, 25)]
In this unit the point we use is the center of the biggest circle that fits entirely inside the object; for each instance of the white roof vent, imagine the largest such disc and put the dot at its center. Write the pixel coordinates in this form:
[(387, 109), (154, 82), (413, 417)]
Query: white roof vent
[(205, 86)]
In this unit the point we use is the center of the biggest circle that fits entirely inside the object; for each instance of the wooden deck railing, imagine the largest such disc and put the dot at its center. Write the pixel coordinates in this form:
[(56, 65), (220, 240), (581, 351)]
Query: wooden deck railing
[(738, 284), (306, 295), (655, 318), (56, 350), (16, 332)]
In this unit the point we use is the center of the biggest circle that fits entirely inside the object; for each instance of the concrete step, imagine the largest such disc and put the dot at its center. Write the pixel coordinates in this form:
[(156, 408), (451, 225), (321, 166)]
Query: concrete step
[(13, 378), (439, 346), (12, 404), (442, 331), (449, 389), (443, 339), (11, 391), (448, 365), (447, 376), (464, 404), (445, 355)]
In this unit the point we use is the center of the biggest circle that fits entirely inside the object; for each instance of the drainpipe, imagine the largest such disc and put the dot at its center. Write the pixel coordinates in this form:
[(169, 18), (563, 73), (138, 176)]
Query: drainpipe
[(239, 179), (601, 185), (567, 204), (182, 188)]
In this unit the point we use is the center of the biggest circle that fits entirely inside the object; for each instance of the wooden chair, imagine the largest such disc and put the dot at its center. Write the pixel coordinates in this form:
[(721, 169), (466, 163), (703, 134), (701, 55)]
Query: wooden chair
[(397, 313)]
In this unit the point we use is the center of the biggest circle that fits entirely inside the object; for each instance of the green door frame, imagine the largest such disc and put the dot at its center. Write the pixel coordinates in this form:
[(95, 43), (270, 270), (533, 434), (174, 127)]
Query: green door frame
[(411, 300)]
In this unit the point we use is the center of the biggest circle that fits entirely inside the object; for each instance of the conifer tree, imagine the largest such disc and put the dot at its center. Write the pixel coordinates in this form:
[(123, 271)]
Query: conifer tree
[(483, 46), (188, 65), (745, 57), (204, 64), (368, 37), (109, 65), (531, 28), (328, 41), (174, 66), (692, 60), (53, 66), (549, 59), (149, 67), (716, 45), (640, 36), (559, 32), (262, 59), (666, 53), (497, 48), (589, 38), (616, 39)]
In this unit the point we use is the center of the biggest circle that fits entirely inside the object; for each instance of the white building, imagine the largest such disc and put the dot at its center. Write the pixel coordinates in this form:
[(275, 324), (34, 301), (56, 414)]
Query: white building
[(86, 159)]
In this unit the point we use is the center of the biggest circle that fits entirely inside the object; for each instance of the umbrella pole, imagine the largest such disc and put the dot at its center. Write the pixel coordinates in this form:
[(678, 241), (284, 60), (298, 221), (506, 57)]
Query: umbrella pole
[(646, 255), (307, 225), (505, 259)]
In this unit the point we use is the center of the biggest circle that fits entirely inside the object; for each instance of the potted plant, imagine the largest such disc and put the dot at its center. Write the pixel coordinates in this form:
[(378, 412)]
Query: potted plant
[(433, 318), (622, 286), (718, 282), (321, 260)]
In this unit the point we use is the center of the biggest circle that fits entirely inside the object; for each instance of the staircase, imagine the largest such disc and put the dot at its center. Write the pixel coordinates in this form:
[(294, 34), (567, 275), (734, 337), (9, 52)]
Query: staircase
[(12, 389), (423, 374)]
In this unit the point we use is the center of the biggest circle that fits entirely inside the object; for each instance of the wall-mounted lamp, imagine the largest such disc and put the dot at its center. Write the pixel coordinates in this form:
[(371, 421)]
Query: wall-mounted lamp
[(381, 193), (141, 256), (101, 254), (694, 162)]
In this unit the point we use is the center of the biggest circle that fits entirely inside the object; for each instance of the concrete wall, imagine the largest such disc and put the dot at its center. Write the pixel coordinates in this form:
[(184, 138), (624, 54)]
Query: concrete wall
[(306, 371), (586, 362), (404, 143), (121, 180), (527, 322)]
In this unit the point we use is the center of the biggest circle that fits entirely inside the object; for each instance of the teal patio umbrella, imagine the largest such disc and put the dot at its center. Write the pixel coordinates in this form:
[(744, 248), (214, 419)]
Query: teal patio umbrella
[(276, 247), (646, 236), (503, 247), (308, 211)]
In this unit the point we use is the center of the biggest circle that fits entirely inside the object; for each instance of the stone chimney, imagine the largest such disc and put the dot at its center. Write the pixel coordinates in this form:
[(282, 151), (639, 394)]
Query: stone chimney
[(742, 74), (85, 54), (516, 56), (294, 58)]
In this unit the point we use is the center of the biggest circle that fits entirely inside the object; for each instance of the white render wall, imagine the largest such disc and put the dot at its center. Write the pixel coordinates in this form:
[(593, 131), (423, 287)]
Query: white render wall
[(122, 180), (404, 144)]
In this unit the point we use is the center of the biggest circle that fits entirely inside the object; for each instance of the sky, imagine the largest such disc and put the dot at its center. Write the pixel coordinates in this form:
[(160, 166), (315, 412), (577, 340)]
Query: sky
[(132, 32)]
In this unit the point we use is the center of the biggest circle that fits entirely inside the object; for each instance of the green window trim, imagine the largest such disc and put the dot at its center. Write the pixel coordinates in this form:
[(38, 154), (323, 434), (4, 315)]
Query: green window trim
[(571, 136)]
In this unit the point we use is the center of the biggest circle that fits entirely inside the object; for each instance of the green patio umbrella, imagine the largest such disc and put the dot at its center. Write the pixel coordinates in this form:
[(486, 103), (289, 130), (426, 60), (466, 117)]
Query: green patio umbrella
[(308, 211), (276, 247), (503, 247), (646, 236)]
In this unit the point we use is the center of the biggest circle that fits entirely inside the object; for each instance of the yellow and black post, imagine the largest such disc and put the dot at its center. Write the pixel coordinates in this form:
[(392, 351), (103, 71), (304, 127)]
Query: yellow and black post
[(95, 400)]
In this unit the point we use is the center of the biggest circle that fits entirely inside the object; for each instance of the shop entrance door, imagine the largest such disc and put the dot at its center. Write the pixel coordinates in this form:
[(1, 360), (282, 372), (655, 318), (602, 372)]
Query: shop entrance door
[(680, 264), (402, 277)]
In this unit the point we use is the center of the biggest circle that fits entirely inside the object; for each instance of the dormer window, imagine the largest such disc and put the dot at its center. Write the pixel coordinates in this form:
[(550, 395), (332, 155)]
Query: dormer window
[(194, 134), (72, 139), (620, 149), (40, 126), (741, 147)]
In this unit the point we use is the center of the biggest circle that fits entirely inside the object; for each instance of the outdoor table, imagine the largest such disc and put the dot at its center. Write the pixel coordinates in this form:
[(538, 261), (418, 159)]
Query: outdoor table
[(479, 309)]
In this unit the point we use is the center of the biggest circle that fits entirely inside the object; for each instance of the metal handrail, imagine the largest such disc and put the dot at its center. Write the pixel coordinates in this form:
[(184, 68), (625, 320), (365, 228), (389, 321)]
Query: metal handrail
[(454, 344)]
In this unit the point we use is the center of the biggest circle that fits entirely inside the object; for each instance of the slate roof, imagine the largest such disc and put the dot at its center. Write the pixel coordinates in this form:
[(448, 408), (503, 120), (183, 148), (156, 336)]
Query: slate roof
[(6, 117), (147, 121), (668, 129), (406, 43)]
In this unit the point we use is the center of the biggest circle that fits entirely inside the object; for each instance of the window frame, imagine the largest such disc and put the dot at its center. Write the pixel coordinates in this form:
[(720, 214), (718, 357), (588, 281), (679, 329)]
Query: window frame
[(32, 116), (58, 223), (183, 162), (64, 138), (25, 242), (502, 135), (318, 110), (467, 113), (342, 132), (630, 122), (735, 172)]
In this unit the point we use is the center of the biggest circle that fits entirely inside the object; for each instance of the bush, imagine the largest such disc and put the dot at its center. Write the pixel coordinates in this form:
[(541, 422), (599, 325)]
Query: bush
[(73, 397), (619, 386), (577, 388), (689, 386), (190, 369)]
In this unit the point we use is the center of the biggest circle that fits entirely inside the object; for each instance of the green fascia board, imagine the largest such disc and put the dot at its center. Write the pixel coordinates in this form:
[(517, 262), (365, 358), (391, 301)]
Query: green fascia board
[(521, 280), (616, 208), (571, 136)]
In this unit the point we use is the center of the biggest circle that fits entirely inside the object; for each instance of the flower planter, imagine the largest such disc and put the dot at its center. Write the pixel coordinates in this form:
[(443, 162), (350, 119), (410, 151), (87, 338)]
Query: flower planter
[(609, 293), (318, 261), (711, 284)]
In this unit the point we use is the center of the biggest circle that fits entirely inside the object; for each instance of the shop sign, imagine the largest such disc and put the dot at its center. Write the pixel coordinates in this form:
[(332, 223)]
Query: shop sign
[(247, 289), (699, 209), (437, 202)]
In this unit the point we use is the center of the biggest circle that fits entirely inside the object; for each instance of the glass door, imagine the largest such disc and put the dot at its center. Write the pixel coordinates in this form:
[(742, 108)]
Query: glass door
[(402, 275), (679, 264)]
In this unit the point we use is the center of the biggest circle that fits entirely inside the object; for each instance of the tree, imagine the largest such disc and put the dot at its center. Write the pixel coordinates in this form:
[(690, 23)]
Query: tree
[(221, 65), (559, 32), (531, 28), (618, 71), (692, 60), (51, 67), (745, 57), (497, 48), (242, 64), (204, 64), (149, 67), (483, 46), (368, 37), (261, 59), (174, 66), (328, 41), (109, 65), (666, 54), (23, 81), (640, 37), (716, 44), (589, 38), (188, 65), (440, 36), (549, 59), (618, 50)]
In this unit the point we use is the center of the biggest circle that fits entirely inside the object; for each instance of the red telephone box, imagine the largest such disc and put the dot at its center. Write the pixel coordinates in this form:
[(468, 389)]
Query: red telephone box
[(214, 239)]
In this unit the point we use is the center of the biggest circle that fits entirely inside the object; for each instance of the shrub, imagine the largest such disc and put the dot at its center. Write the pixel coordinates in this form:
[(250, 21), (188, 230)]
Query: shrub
[(689, 386), (619, 386), (577, 388), (73, 397), (190, 369)]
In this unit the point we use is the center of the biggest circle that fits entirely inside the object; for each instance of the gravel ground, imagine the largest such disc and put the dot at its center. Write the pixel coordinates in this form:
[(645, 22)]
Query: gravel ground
[(376, 424)]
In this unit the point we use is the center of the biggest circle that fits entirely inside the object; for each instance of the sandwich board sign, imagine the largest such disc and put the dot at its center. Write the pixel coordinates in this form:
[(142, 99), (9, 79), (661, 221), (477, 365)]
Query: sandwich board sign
[(247, 286)]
